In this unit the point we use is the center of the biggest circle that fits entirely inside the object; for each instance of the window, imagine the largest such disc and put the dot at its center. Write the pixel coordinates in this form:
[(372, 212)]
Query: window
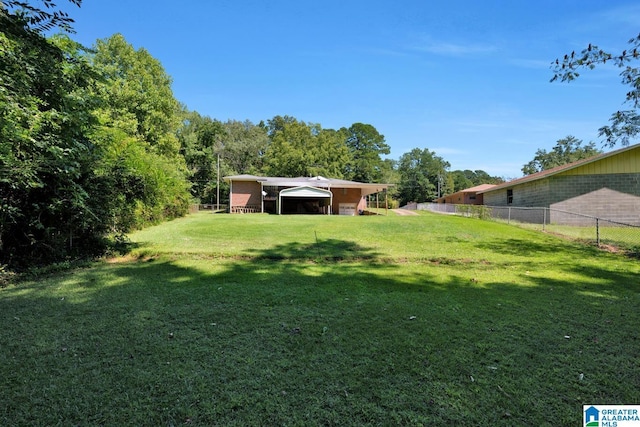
[(509, 196)]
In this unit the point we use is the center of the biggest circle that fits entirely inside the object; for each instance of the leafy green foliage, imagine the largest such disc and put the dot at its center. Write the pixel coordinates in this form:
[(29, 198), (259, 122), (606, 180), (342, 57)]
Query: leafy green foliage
[(39, 19), (567, 150), (75, 164), (367, 146), (468, 178), (625, 124), (244, 147), (136, 94), (139, 118), (423, 176), (304, 149), (202, 140), (138, 188), (46, 156)]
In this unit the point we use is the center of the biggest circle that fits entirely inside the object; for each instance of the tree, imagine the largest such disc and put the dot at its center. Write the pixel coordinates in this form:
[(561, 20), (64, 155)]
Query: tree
[(202, 141), (301, 149), (461, 180), (468, 178), (566, 150), (137, 96), (139, 119), (245, 146), (37, 18), (625, 124), (83, 154), (366, 146), (423, 176), (46, 156)]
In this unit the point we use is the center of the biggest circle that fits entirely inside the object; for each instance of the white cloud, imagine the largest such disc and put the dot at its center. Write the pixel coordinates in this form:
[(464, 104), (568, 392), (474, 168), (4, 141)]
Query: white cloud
[(629, 15), (447, 48)]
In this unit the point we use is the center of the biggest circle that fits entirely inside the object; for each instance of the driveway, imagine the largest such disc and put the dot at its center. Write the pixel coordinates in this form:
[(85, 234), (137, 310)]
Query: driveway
[(404, 212)]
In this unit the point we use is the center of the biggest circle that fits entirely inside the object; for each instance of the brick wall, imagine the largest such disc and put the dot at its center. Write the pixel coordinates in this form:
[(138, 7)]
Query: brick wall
[(347, 195), (245, 193)]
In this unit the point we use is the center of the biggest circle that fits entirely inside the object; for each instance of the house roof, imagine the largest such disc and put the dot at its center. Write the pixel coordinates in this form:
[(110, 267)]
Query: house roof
[(477, 188), (314, 181), (559, 169)]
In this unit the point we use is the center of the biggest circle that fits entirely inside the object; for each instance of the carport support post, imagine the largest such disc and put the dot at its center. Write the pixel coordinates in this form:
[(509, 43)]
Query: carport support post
[(386, 202)]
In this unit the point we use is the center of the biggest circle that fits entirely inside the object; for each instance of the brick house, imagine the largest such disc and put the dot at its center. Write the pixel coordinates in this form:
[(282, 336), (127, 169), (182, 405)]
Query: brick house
[(605, 186), (303, 195), (468, 196)]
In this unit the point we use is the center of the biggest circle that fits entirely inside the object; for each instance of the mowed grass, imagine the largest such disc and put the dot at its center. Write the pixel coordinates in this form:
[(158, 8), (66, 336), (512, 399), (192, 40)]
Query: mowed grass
[(309, 320)]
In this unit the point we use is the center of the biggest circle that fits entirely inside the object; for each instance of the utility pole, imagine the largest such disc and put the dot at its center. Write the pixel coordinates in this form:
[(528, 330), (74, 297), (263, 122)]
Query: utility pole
[(218, 185)]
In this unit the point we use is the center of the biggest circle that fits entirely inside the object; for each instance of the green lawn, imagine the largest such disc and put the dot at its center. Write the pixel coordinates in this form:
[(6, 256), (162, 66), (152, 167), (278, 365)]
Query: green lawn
[(244, 320)]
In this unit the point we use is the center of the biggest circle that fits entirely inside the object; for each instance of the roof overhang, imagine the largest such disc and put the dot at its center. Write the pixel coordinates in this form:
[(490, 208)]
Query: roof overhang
[(316, 182)]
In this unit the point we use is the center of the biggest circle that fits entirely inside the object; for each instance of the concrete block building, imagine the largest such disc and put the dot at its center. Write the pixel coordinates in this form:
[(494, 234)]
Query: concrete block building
[(604, 186)]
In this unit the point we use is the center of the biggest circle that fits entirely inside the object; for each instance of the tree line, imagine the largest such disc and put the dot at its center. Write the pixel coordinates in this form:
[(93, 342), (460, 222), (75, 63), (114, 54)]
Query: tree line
[(94, 144)]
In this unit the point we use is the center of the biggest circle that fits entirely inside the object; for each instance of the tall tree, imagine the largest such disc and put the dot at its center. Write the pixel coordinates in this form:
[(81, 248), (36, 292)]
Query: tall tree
[(84, 151), (566, 150), (301, 149), (625, 124), (288, 153), (461, 180), (367, 146), (245, 146), (137, 95), (423, 176), (203, 140), (46, 157), (139, 120)]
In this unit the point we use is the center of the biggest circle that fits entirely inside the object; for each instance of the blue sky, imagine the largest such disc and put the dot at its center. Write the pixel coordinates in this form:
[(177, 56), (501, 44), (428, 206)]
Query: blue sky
[(466, 79)]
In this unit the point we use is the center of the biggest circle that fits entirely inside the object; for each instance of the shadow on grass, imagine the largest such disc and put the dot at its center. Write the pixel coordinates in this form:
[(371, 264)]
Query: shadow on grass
[(526, 247), (325, 250), (273, 339)]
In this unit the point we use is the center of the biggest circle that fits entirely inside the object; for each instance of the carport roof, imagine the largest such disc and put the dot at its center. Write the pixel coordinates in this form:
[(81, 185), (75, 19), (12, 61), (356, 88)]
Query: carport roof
[(305, 191)]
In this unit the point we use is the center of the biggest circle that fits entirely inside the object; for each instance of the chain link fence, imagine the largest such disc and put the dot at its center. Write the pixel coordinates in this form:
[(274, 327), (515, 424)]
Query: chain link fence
[(599, 231)]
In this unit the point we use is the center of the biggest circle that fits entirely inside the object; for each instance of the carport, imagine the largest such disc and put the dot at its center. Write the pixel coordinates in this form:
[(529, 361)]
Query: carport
[(305, 200)]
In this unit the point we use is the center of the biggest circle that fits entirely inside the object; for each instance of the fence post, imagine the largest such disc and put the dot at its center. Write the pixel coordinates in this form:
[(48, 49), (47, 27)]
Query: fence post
[(509, 216), (544, 217), (598, 232)]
